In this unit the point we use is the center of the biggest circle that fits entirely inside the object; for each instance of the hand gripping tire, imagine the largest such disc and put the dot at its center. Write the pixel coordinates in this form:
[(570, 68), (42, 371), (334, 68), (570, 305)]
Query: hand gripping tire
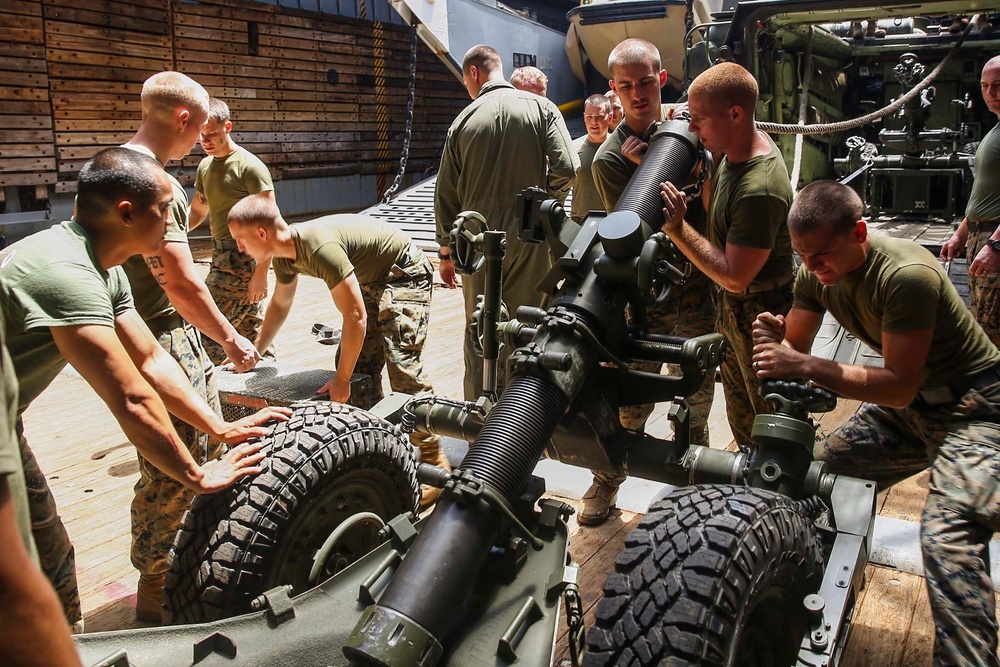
[(326, 464), (714, 575)]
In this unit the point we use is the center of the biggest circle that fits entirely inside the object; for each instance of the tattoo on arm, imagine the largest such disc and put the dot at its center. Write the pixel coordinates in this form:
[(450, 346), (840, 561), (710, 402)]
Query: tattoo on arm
[(155, 264)]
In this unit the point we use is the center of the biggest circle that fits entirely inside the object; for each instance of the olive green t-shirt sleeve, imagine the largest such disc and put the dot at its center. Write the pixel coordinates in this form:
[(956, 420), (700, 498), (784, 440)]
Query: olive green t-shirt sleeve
[(912, 298), (11, 467), (328, 262), (199, 179), (805, 294), (984, 200), (178, 226), (331, 264), (610, 178), (62, 298), (256, 177), (755, 221), (283, 271)]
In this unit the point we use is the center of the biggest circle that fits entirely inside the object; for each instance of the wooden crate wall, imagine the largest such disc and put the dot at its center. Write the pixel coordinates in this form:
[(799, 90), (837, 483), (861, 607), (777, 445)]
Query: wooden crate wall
[(27, 153), (271, 64), (99, 52), (302, 90)]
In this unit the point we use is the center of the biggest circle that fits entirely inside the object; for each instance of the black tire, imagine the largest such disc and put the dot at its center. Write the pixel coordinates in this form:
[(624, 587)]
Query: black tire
[(324, 465), (713, 576)]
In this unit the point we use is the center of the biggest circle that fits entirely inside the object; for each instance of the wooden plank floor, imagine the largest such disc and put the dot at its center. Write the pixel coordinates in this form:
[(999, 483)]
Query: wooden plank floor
[(91, 468)]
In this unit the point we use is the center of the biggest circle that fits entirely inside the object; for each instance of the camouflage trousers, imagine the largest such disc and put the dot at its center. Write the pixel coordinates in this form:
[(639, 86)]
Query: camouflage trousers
[(690, 311), (740, 383), (984, 291), (56, 555), (160, 501), (228, 282), (398, 312), (961, 445)]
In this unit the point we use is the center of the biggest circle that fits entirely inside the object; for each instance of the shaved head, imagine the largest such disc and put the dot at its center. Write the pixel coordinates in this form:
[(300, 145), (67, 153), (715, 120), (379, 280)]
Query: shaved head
[(634, 51)]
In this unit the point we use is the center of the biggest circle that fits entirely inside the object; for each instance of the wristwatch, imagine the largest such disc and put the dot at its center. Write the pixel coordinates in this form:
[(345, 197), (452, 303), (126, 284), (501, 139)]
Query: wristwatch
[(994, 244)]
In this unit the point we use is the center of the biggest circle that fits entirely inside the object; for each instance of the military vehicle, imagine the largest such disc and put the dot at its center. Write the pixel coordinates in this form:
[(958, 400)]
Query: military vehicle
[(757, 559)]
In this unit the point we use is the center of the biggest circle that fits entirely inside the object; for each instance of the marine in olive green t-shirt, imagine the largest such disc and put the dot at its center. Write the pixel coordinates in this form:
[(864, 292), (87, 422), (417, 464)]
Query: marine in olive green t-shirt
[(52, 279), (984, 200), (586, 198), (226, 180), (611, 170), (749, 207), (902, 287), (331, 247), (151, 301)]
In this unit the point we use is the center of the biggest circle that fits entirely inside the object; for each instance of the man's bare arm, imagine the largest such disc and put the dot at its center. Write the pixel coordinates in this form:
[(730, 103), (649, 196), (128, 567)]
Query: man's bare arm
[(733, 268), (174, 269), (167, 378), (198, 210), (257, 289), (97, 353), (347, 298), (276, 313), (895, 385), (35, 633)]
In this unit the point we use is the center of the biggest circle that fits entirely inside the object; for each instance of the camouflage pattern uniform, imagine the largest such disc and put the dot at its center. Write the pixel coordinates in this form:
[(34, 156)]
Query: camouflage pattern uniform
[(398, 312), (982, 213), (56, 554), (160, 501), (748, 208), (984, 291), (50, 277), (961, 444), (223, 182), (395, 280), (227, 283), (740, 384)]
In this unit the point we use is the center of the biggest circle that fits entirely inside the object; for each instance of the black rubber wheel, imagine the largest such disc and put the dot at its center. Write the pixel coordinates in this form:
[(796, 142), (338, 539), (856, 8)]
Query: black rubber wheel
[(326, 464), (713, 575)]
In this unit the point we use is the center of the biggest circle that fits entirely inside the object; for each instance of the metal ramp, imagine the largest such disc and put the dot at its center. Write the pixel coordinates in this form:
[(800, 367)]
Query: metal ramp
[(834, 343), (412, 212)]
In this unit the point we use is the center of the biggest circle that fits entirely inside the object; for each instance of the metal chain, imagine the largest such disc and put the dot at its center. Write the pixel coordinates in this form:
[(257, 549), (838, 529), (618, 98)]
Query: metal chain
[(410, 95), (826, 128)]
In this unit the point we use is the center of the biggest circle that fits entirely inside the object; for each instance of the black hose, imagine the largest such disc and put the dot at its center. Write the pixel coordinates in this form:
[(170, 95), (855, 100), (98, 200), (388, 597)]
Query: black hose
[(672, 154), (512, 439)]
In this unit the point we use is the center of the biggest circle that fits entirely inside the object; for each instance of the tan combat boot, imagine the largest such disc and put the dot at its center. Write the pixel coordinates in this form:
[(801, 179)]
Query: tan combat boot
[(149, 599), (598, 501), (430, 452)]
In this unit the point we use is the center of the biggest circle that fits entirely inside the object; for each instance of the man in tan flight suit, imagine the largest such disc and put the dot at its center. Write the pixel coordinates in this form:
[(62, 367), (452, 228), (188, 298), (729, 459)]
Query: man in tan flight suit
[(496, 147)]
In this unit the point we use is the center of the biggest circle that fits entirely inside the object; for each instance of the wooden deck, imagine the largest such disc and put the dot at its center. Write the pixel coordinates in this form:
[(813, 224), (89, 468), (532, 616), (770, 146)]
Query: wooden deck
[(91, 468)]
